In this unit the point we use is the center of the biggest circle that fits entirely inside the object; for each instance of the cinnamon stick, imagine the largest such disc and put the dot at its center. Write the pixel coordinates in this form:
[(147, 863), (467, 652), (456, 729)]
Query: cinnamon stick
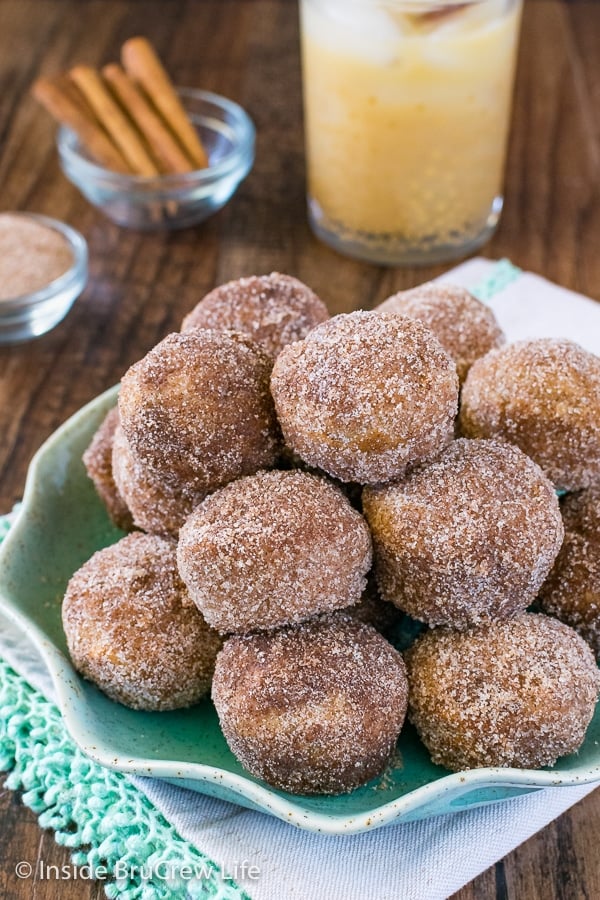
[(163, 145), (113, 119), (63, 107), (143, 65)]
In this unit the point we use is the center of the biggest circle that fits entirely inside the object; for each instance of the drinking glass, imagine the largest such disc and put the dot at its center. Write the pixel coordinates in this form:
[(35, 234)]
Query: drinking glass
[(407, 111)]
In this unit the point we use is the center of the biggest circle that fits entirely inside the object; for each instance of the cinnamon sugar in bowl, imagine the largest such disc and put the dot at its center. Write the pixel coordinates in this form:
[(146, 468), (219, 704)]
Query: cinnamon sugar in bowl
[(43, 269)]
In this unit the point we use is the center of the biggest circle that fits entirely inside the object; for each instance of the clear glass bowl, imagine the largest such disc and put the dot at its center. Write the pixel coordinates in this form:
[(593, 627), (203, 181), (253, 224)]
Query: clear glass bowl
[(31, 315), (171, 201)]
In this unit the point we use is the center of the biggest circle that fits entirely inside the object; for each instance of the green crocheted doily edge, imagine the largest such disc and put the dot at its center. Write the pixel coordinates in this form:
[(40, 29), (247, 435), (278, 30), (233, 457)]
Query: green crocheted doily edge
[(99, 814), (500, 277), (107, 822)]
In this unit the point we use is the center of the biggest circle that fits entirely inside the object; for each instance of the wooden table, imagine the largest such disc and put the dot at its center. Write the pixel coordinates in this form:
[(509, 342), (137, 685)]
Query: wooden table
[(142, 284)]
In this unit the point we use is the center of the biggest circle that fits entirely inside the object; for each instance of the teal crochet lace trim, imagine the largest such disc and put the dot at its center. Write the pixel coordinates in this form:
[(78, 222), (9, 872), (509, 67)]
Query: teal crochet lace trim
[(108, 823), (503, 274), (5, 523)]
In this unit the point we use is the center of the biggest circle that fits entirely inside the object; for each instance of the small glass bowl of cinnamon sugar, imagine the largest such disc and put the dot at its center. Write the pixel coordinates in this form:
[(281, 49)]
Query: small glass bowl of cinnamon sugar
[(172, 200), (43, 269)]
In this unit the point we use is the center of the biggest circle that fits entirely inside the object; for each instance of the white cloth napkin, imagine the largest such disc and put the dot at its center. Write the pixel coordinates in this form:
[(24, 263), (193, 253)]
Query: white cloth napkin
[(427, 860), (532, 307)]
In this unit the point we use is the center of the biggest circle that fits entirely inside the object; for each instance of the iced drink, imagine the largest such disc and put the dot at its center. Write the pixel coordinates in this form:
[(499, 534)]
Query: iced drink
[(407, 109)]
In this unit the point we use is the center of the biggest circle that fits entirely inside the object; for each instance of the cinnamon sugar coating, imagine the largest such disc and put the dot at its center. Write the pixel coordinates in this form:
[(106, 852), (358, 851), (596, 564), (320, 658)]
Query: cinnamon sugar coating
[(468, 538), (572, 590), (365, 395), (273, 310), (544, 396), (290, 460), (271, 549), (197, 409), (515, 693), (132, 629), (157, 506), (97, 460), (373, 610), (313, 708), (581, 512), (466, 328)]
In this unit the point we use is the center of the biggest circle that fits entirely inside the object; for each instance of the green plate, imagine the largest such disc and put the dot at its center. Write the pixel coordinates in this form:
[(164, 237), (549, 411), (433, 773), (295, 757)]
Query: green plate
[(60, 525)]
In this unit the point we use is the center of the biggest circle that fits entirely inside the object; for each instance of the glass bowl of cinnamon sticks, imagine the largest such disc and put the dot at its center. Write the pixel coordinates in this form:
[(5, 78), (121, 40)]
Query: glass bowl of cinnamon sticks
[(174, 200), (149, 155)]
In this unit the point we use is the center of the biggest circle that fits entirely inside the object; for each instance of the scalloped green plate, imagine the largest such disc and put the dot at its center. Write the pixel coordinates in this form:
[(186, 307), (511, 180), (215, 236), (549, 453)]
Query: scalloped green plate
[(60, 525)]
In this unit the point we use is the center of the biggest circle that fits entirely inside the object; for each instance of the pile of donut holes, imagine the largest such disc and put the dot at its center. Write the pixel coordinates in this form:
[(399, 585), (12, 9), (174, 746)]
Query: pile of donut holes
[(295, 485)]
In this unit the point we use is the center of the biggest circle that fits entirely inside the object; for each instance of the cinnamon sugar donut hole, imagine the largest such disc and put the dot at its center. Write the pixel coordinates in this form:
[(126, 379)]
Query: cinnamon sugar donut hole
[(466, 328), (157, 506), (314, 708), (572, 590), (273, 310), (97, 460), (132, 629), (271, 549), (544, 396), (365, 395), (466, 539), (197, 409), (515, 693)]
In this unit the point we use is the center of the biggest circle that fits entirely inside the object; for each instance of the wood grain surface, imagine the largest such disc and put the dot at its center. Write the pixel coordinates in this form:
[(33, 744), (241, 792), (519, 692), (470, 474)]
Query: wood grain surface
[(142, 284)]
